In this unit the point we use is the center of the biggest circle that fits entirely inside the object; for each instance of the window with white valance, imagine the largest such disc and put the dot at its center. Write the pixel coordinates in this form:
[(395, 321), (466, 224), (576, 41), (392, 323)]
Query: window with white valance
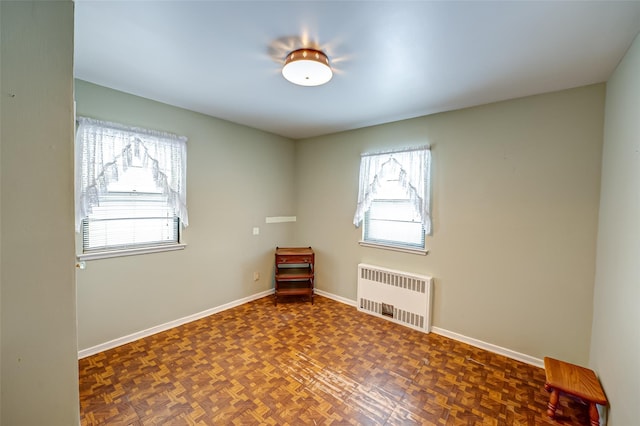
[(394, 197), (130, 186)]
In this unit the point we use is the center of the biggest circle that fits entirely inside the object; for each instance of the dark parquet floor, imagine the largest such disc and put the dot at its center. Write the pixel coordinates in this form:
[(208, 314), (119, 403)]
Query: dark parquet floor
[(303, 364)]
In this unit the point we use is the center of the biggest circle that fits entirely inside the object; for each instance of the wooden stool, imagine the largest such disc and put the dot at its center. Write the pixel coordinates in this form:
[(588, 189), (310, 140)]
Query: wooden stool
[(576, 381)]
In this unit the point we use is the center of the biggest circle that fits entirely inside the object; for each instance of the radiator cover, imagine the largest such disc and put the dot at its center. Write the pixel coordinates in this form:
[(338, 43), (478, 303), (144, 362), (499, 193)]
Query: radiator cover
[(397, 296)]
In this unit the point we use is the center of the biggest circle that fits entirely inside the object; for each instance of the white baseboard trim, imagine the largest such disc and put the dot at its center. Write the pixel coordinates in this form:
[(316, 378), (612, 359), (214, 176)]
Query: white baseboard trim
[(527, 359), (336, 298), (166, 326)]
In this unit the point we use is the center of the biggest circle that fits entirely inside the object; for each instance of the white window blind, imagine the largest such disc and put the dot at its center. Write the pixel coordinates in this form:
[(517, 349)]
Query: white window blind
[(132, 213)]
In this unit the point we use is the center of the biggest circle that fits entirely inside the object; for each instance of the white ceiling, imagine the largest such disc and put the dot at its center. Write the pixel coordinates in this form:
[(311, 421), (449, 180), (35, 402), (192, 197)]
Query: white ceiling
[(392, 59)]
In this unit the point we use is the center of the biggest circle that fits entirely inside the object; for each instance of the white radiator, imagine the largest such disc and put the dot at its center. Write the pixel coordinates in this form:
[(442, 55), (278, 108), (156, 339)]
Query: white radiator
[(397, 296)]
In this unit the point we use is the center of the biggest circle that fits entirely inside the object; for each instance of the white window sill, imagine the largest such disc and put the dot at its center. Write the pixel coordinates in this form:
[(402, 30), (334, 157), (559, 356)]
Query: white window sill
[(129, 252), (422, 252)]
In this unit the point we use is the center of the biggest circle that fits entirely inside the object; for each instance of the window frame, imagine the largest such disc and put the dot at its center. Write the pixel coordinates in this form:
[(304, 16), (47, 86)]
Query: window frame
[(107, 254), (153, 145), (376, 179), (130, 249)]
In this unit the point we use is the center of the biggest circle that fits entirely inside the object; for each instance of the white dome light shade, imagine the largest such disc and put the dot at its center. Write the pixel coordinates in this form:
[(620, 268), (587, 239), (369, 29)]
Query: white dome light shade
[(307, 67)]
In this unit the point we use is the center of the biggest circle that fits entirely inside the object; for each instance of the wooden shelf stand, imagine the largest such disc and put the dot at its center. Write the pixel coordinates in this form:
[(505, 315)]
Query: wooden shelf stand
[(294, 272)]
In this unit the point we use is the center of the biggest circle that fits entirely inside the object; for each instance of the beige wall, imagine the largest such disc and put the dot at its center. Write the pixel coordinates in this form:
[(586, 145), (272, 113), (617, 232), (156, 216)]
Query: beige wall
[(515, 206), (515, 203), (615, 345), (236, 176), (2, 47), (38, 349)]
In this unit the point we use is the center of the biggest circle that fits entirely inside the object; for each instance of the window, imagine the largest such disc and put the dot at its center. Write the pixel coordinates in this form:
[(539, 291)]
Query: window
[(130, 188), (132, 212), (393, 199)]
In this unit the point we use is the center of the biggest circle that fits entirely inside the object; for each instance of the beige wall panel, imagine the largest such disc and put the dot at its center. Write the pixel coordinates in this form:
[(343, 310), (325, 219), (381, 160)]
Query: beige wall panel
[(39, 367), (236, 177), (615, 343), (515, 202)]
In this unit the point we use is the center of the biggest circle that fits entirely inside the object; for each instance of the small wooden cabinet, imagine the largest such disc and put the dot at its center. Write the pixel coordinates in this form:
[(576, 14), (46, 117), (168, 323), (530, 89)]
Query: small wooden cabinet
[(295, 267)]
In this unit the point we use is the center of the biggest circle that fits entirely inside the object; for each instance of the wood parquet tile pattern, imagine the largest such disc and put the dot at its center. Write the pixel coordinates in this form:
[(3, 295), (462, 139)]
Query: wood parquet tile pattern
[(303, 364)]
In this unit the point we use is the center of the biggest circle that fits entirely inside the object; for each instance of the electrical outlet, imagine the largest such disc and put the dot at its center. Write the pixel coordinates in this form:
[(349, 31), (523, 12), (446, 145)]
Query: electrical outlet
[(256, 231)]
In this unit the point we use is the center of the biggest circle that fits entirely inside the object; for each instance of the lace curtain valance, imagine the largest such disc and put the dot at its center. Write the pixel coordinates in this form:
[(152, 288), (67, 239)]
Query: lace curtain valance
[(411, 167), (105, 150)]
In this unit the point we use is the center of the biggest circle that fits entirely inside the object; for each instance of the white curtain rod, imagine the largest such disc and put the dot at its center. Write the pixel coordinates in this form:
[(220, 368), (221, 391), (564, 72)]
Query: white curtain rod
[(393, 151), (130, 129)]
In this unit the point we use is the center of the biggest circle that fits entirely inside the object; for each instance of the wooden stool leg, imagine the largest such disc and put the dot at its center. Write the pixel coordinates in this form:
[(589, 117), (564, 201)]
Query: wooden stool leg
[(593, 414), (553, 403)]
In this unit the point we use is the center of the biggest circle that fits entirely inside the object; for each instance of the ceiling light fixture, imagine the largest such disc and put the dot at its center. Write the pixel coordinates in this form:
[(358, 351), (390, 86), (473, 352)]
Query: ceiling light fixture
[(307, 67)]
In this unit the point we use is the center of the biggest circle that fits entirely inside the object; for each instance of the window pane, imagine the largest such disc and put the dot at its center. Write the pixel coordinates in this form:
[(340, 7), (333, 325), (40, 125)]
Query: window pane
[(409, 233), (392, 219), (393, 210)]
